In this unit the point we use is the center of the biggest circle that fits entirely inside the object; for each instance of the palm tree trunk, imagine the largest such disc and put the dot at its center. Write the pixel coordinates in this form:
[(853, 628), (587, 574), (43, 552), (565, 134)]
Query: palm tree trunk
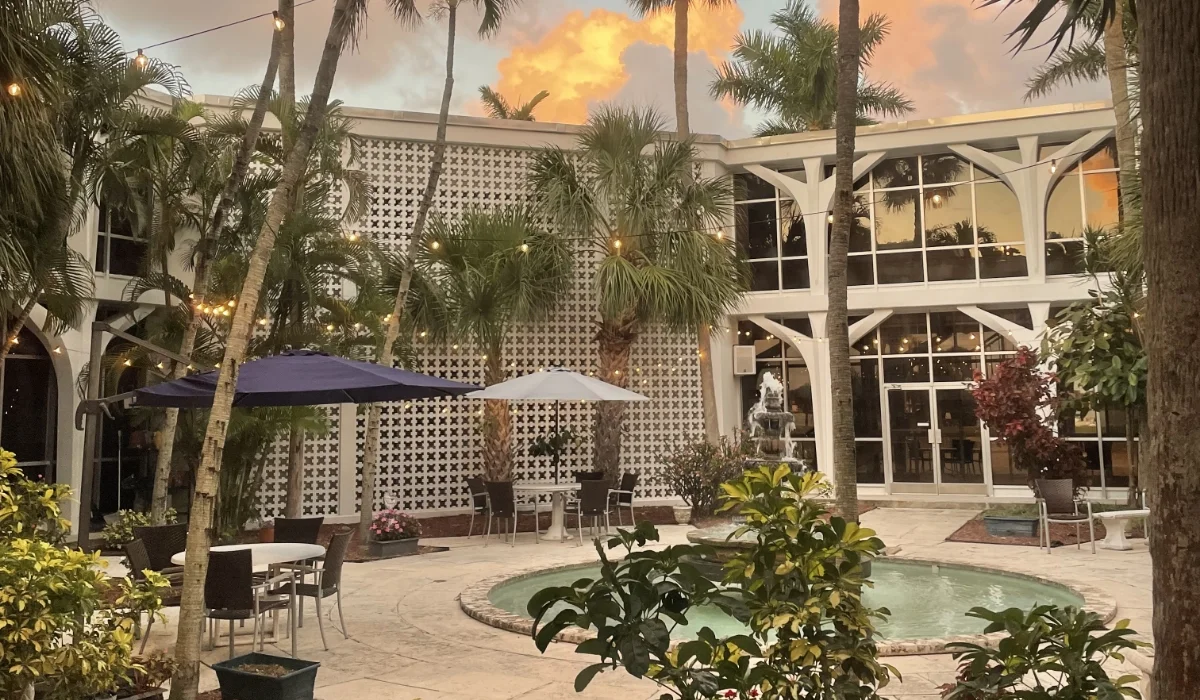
[(708, 391), (844, 463), (241, 164), (1131, 448), (287, 53), (191, 609), (615, 338), (1170, 71), (682, 123), (1116, 63), (497, 423), (371, 452), (295, 471)]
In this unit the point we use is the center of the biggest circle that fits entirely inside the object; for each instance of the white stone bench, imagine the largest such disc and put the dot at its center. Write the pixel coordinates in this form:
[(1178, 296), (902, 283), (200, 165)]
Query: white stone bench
[(1115, 522)]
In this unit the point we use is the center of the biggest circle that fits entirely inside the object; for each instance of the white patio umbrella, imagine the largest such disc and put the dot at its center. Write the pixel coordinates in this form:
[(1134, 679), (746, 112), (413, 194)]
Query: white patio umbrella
[(556, 384)]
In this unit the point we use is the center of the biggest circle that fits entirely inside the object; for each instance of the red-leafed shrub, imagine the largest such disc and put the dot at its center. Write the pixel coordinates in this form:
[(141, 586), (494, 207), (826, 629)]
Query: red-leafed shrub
[(1017, 405)]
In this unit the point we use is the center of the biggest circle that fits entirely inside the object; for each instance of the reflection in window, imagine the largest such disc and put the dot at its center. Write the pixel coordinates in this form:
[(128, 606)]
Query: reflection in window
[(1085, 197), (769, 229)]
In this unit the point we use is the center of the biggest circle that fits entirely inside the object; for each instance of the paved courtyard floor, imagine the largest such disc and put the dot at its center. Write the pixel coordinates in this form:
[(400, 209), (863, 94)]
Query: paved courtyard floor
[(410, 641)]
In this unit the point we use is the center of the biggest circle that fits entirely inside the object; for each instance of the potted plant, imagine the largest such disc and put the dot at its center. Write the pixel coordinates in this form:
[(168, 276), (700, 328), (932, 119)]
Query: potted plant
[(393, 534), (266, 530), (119, 530), (695, 470), (1016, 403), (257, 676), (146, 678)]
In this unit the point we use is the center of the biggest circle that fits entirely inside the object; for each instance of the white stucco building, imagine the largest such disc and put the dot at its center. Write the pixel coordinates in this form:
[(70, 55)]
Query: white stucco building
[(965, 248)]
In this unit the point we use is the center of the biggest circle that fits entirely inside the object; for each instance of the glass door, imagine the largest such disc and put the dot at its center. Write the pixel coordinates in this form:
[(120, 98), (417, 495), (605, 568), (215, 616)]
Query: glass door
[(935, 441), (960, 442), (911, 440)]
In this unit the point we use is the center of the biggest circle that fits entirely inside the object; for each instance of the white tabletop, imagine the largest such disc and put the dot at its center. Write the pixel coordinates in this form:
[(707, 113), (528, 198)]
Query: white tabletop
[(1136, 513), (267, 553), (546, 488)]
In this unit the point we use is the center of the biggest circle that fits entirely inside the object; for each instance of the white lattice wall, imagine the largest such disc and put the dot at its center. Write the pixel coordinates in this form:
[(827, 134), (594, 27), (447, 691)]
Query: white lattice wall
[(321, 458), (430, 447)]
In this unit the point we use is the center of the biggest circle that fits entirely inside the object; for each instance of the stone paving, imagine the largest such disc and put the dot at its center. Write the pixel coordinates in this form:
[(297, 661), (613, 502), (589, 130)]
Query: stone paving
[(411, 641)]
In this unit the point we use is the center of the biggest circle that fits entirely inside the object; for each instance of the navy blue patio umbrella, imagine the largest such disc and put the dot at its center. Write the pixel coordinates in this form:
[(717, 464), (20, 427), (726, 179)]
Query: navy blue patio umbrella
[(303, 378)]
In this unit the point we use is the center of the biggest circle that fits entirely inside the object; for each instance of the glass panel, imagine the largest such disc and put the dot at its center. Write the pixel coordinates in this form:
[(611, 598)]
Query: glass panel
[(944, 168), (900, 268), (961, 446), (800, 400), (948, 216), (868, 415), (869, 456), (764, 276), (1064, 211), (1117, 463), (896, 172), (994, 341), (991, 362), (1047, 151), (906, 369), (1103, 158), (791, 223), (867, 346), (102, 219), (1004, 472), (1013, 154), (897, 220), (860, 271), (1002, 261), (806, 450), (795, 274), (903, 334), (1091, 454), (1079, 425), (860, 235), (997, 213), (954, 331), (954, 369), (1063, 257), (1101, 199), (1113, 421), (801, 324), (120, 225), (756, 229), (750, 186), (126, 256), (26, 405), (909, 423), (101, 253), (954, 264)]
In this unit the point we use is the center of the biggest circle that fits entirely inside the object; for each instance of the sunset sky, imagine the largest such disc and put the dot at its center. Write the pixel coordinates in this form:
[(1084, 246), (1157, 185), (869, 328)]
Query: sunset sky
[(947, 55)]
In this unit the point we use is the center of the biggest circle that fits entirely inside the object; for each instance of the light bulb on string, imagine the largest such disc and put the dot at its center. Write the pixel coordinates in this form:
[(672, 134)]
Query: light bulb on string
[(1053, 166), (141, 60), (13, 89), (617, 244), (434, 245), (524, 247), (279, 23)]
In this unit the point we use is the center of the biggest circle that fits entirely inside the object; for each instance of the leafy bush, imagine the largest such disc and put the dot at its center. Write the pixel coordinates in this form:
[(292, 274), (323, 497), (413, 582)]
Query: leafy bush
[(392, 524), (61, 625), (120, 531), (1049, 653), (798, 589), (696, 470)]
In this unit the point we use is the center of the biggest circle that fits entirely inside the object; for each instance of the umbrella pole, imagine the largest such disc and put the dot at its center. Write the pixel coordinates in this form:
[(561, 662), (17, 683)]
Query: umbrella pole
[(558, 452)]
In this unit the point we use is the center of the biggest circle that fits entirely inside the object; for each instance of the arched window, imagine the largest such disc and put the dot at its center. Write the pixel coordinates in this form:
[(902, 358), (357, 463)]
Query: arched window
[(29, 423)]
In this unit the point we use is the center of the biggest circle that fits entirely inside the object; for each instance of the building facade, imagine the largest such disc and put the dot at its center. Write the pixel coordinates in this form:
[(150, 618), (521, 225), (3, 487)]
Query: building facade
[(964, 248)]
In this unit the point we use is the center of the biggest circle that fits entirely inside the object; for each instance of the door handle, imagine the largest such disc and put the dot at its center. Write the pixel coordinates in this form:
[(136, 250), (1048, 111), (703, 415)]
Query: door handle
[(933, 437)]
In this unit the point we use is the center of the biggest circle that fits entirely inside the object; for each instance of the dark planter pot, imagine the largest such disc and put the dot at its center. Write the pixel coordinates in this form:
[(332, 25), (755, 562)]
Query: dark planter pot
[(394, 548), (296, 684), (1011, 527)]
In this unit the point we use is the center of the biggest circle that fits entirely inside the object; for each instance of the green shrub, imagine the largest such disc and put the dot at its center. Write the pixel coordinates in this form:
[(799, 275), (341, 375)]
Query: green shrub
[(120, 531), (695, 471), (798, 589)]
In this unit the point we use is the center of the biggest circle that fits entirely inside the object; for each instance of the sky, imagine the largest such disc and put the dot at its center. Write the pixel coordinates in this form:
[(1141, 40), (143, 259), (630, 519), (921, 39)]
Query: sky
[(949, 56)]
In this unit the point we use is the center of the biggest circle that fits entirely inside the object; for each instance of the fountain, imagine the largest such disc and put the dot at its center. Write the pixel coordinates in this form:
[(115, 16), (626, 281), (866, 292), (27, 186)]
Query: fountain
[(769, 426)]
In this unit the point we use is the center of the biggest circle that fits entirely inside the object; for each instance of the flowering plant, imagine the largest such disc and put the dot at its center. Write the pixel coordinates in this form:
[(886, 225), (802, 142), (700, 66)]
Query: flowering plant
[(391, 524)]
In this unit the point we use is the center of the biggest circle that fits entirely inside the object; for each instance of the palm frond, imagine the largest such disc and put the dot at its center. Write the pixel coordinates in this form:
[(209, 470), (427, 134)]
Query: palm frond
[(1078, 63)]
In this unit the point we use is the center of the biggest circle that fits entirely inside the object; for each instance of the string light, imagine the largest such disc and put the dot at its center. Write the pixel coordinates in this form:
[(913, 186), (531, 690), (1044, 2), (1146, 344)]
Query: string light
[(1053, 166), (159, 365), (231, 303), (279, 23), (329, 328), (13, 89), (352, 237), (16, 340), (434, 245), (424, 333), (524, 247), (262, 321), (829, 218), (141, 59), (58, 350), (617, 244), (128, 363)]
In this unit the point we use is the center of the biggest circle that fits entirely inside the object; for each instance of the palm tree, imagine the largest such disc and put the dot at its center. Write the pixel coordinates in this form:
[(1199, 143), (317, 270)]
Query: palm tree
[(849, 64), (634, 197), (348, 16), (499, 108), (495, 269), (901, 172), (793, 72), (493, 14)]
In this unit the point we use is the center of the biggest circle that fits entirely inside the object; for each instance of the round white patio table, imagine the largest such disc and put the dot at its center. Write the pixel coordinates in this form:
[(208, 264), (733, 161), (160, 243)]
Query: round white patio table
[(1115, 522), (558, 499), (264, 555)]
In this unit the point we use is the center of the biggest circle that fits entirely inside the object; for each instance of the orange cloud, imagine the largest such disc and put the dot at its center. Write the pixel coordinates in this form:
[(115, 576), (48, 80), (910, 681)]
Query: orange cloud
[(580, 60)]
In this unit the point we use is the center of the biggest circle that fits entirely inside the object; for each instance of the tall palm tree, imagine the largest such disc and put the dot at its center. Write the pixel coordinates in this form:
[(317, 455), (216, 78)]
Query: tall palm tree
[(344, 26), (493, 12), (494, 269), (847, 109), (792, 73), (634, 197), (499, 108)]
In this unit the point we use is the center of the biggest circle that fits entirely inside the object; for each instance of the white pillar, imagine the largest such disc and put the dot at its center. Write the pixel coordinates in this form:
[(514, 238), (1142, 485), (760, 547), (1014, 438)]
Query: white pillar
[(347, 459)]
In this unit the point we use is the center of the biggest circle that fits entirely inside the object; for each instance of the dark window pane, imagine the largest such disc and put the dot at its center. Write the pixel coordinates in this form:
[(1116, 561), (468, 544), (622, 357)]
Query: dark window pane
[(795, 274), (101, 253), (948, 216), (1117, 463), (1064, 212), (868, 416), (1077, 425), (896, 172), (127, 256), (906, 369), (945, 167), (791, 226), (27, 401), (1114, 422), (1063, 257), (997, 213), (869, 456), (954, 369), (800, 400), (954, 331), (102, 219), (120, 224), (903, 334), (750, 186), (859, 271), (995, 341), (802, 325), (1101, 199), (1091, 453), (897, 220), (1002, 261), (1004, 471), (756, 229), (955, 264), (899, 268), (764, 276), (992, 362)]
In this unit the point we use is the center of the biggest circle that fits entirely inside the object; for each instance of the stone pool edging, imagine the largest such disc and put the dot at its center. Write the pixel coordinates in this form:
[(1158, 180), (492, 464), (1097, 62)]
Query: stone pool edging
[(475, 601)]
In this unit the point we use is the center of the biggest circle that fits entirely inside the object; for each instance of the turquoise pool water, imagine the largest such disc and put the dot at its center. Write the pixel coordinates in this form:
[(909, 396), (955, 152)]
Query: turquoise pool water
[(926, 601)]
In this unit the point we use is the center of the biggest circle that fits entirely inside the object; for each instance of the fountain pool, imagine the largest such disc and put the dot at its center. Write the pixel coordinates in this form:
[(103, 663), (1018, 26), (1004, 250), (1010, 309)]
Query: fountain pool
[(927, 601)]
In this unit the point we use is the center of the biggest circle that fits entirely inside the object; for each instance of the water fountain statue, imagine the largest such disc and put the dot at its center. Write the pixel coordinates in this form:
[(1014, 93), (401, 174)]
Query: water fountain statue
[(769, 426)]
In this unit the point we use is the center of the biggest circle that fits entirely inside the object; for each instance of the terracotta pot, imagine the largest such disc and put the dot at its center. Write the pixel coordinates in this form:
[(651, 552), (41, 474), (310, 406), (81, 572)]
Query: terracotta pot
[(266, 534)]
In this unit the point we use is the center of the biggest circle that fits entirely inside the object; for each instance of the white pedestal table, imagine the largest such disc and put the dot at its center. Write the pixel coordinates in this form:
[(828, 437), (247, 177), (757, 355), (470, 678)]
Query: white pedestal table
[(264, 555), (558, 499), (1115, 522)]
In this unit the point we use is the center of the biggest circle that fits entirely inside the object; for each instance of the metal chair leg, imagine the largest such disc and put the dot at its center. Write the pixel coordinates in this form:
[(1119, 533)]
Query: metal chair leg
[(231, 639), (579, 525), (341, 618), (1092, 533), (1078, 538), (471, 525), (487, 535), (320, 621)]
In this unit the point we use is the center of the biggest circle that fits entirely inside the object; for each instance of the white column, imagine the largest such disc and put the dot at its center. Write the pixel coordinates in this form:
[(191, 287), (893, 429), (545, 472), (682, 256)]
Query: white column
[(347, 459), (725, 384)]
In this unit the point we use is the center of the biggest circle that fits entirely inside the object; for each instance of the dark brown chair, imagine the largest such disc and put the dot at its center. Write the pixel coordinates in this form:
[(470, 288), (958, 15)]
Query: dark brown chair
[(230, 593), (1057, 503), (139, 561), (623, 497), (584, 475), (298, 530), (327, 581), (162, 542), (593, 501), (479, 500), (502, 505)]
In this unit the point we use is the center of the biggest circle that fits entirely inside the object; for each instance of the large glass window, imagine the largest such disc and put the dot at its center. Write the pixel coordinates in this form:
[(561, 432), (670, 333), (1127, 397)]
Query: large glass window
[(29, 405), (1085, 197), (769, 228), (1105, 447), (119, 250)]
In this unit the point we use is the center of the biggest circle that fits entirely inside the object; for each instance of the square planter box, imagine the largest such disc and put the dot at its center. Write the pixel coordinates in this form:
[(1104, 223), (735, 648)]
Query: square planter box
[(296, 684), (394, 548), (1011, 527)]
